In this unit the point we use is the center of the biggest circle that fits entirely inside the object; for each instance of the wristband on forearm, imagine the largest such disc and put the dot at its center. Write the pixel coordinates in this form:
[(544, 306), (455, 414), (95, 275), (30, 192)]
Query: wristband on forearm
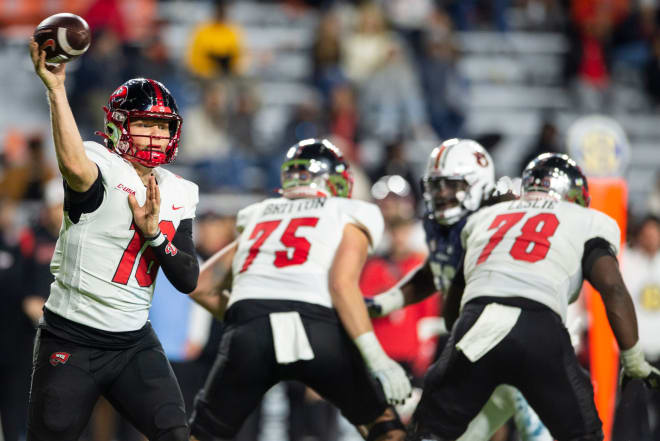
[(370, 349), (390, 300), (156, 240), (634, 363)]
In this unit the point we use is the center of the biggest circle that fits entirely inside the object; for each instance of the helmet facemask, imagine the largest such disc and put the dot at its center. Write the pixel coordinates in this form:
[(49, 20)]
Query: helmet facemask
[(313, 178), (118, 132), (459, 177), (448, 199)]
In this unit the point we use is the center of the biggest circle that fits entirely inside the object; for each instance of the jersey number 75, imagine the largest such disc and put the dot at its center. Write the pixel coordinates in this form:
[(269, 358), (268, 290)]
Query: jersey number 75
[(289, 239)]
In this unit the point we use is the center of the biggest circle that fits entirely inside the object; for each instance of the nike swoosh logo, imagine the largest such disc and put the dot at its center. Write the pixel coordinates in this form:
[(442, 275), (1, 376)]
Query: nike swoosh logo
[(176, 208)]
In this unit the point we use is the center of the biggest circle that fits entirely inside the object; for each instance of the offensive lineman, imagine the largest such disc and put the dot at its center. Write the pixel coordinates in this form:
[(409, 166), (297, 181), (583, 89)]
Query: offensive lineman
[(124, 217), (296, 311), (459, 179), (525, 261)]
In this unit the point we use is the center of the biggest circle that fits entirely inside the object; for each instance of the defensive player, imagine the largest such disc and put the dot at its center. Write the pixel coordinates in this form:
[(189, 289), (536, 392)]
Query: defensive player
[(459, 179), (296, 311), (524, 262), (123, 218)]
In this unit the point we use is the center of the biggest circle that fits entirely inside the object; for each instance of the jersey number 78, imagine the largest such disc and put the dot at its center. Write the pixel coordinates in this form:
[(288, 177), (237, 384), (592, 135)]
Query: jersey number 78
[(530, 233)]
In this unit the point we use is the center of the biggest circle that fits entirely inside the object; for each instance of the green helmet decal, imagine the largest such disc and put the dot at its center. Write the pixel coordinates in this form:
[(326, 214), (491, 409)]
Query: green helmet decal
[(113, 133)]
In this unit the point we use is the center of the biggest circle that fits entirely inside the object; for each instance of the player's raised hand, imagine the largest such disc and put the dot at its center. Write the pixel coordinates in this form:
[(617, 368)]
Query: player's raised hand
[(52, 75), (146, 216)]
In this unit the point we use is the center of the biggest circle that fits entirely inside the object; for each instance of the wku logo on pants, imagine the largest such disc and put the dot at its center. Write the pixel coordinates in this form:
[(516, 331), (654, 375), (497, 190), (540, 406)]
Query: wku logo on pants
[(171, 249), (59, 358)]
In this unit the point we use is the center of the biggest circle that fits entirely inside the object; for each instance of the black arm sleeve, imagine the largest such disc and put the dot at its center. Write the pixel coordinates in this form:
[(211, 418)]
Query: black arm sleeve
[(420, 285), (593, 249), (452, 304), (178, 258), (77, 203)]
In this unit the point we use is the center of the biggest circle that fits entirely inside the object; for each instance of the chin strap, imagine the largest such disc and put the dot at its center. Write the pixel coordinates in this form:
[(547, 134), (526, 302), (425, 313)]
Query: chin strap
[(102, 135)]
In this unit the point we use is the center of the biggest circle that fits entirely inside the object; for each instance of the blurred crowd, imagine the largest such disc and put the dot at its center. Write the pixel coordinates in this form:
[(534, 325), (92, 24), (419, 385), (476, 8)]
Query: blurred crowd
[(383, 85)]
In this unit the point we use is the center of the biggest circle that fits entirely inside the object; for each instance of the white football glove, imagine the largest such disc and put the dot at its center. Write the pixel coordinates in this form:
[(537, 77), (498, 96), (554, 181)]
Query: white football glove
[(635, 366), (391, 375), (385, 303)]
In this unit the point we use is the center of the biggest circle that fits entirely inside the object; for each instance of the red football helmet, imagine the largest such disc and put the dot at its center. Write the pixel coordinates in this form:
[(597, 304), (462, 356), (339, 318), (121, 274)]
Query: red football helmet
[(141, 98)]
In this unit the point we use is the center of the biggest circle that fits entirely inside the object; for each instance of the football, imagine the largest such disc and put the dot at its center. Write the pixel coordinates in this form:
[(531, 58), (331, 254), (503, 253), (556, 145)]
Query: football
[(63, 36)]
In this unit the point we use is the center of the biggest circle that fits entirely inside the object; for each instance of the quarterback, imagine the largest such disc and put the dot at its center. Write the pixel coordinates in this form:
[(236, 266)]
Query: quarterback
[(296, 311), (124, 217), (525, 261)]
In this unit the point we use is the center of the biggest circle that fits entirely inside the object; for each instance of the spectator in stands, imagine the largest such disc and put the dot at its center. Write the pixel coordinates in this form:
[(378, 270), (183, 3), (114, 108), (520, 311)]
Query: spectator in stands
[(389, 95), (107, 14), (476, 14), (547, 140), (391, 103), (653, 202), (38, 245), (205, 133), (543, 15), (641, 272), (216, 47), (154, 60), (132, 21), (16, 328), (368, 48), (588, 62), (307, 120), (397, 163), (409, 19), (443, 84), (244, 107), (106, 64), (632, 36), (327, 54), (652, 70), (26, 172), (344, 118)]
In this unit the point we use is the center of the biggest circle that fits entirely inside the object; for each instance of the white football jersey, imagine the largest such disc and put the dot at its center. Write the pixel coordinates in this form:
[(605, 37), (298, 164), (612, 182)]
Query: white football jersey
[(532, 249), (104, 271), (287, 246)]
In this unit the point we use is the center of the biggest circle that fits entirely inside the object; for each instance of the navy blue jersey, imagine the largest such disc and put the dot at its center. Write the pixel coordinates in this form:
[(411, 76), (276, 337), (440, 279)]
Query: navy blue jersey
[(445, 250)]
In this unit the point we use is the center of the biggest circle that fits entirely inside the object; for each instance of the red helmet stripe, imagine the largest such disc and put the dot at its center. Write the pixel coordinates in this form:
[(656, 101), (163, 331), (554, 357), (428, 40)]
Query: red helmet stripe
[(437, 159), (160, 103)]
